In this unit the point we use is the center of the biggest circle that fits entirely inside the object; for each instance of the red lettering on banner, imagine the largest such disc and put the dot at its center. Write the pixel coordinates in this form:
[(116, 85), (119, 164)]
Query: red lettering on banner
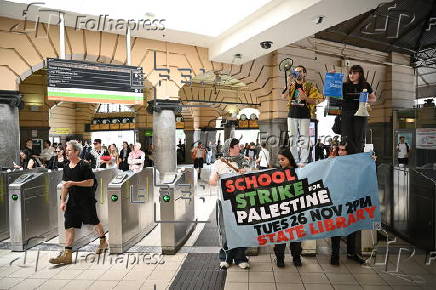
[(261, 240), (360, 213), (312, 229), (289, 176), (329, 225), (278, 177), (281, 237), (370, 211), (238, 185), (229, 185), (251, 182), (264, 179), (341, 222), (351, 219)]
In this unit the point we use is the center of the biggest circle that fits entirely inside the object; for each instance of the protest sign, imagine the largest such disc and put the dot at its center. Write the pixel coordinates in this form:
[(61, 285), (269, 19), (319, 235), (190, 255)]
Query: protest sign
[(331, 197), (333, 85)]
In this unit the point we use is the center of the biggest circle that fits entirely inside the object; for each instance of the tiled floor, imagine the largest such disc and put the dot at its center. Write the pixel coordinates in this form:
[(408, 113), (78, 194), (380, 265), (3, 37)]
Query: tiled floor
[(316, 272)]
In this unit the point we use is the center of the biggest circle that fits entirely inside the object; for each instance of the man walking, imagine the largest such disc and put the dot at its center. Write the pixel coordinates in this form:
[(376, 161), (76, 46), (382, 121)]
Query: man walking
[(79, 185)]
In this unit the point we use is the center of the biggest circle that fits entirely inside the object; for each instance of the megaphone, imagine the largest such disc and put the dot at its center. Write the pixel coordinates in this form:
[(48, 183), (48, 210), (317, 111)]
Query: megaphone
[(363, 99)]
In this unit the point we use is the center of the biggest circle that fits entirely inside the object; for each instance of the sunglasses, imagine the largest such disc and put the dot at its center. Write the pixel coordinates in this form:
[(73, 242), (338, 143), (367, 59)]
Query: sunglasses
[(57, 151)]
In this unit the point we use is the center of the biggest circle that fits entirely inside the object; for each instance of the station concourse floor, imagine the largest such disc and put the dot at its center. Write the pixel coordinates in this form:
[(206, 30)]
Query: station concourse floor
[(195, 266)]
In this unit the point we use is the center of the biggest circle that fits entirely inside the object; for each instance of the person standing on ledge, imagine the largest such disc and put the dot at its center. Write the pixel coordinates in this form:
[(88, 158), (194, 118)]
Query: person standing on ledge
[(353, 128), (303, 97), (79, 185)]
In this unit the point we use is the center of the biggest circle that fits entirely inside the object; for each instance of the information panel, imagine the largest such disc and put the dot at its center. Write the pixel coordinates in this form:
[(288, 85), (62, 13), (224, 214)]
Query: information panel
[(86, 82)]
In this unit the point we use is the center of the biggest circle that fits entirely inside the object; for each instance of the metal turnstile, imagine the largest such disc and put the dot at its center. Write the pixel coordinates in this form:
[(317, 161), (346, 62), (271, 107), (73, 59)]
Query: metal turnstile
[(86, 234), (130, 197), (33, 208), (176, 206)]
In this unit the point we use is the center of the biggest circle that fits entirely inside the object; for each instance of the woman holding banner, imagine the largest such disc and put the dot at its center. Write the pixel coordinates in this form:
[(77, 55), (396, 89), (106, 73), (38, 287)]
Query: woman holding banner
[(286, 160), (344, 149), (231, 162)]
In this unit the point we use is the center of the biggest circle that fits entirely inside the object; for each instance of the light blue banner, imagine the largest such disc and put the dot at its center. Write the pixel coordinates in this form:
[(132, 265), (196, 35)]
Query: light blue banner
[(354, 205)]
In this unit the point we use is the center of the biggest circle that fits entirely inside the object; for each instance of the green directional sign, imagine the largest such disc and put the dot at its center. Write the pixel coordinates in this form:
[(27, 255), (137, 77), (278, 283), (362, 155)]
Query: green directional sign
[(114, 197), (14, 197), (166, 198)]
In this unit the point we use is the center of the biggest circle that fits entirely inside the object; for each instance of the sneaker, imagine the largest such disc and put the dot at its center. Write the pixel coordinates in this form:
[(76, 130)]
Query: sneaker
[(102, 247), (65, 257), (244, 265), (334, 260), (297, 262), (224, 265), (280, 262)]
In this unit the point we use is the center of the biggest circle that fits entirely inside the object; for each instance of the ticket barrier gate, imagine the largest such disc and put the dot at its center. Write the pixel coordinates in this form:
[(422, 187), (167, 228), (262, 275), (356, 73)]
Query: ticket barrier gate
[(6, 178), (130, 203), (87, 234), (176, 206), (33, 208)]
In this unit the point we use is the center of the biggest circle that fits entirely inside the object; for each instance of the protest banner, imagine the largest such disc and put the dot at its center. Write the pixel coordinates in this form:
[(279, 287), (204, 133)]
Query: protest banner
[(331, 197)]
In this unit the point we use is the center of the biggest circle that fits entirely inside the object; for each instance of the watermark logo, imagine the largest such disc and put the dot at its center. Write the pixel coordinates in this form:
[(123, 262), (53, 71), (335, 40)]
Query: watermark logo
[(34, 15)]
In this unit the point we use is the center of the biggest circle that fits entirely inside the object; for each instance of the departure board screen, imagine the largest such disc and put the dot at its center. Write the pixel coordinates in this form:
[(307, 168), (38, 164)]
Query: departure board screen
[(87, 82)]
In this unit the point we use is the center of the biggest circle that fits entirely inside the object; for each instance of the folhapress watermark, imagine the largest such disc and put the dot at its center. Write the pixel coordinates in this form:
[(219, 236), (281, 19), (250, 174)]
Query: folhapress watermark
[(34, 16)]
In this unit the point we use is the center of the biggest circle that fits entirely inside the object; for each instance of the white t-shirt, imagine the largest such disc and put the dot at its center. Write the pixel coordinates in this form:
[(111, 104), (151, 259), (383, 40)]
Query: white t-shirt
[(402, 150), (264, 157), (221, 167)]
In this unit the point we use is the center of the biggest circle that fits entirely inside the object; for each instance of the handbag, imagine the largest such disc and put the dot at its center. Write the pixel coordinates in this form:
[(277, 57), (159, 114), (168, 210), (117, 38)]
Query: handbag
[(337, 125)]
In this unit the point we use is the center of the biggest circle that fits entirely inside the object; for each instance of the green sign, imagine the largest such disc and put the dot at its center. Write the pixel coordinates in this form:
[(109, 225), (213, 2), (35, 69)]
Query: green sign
[(114, 197), (14, 197), (166, 198), (148, 132)]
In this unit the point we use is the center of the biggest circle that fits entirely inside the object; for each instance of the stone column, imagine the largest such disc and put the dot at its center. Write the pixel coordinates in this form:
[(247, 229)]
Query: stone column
[(189, 141), (9, 129), (164, 136)]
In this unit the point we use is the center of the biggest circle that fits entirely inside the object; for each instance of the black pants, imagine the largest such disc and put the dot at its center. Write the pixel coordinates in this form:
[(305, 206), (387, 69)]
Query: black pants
[(236, 255), (353, 129), (351, 244), (279, 249)]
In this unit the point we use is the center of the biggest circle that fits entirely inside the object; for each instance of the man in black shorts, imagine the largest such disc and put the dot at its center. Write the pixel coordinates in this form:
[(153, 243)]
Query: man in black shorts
[(79, 181), (198, 155)]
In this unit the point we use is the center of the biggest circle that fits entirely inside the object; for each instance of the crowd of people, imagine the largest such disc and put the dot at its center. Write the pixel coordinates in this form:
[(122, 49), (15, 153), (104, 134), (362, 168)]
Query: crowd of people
[(53, 156), (303, 96)]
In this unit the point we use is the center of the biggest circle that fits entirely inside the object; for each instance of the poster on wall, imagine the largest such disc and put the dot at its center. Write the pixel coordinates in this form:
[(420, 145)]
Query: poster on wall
[(426, 138), (331, 197)]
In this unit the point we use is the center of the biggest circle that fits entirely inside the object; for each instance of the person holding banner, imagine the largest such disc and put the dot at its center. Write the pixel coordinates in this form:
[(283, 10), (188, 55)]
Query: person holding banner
[(303, 97), (231, 162), (353, 128), (344, 149), (286, 160)]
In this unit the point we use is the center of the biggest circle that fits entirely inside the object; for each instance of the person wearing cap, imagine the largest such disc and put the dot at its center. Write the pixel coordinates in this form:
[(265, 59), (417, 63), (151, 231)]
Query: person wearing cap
[(98, 152), (231, 162)]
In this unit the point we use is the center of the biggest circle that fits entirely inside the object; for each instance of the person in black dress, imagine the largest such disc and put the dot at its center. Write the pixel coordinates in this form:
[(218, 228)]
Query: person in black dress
[(124, 156), (353, 128)]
